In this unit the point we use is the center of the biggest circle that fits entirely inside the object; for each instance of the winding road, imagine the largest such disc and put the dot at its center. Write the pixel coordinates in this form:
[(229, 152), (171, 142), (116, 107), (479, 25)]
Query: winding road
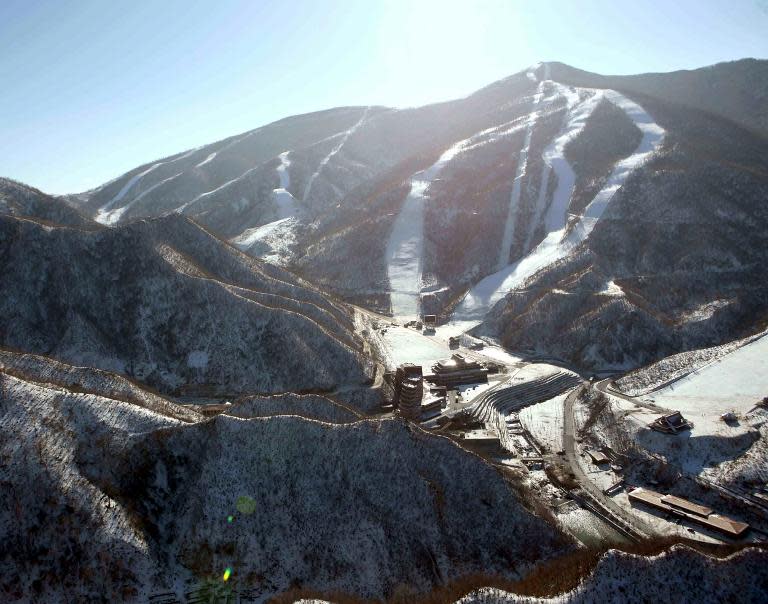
[(618, 517)]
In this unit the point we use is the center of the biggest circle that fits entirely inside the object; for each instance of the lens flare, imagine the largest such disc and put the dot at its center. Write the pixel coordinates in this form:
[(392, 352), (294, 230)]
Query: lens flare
[(227, 573), (230, 519)]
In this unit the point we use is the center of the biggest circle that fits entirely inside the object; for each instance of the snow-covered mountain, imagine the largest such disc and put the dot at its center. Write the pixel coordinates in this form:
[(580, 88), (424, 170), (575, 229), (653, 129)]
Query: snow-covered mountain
[(609, 221), (119, 495), (167, 303), (17, 199), (574, 203)]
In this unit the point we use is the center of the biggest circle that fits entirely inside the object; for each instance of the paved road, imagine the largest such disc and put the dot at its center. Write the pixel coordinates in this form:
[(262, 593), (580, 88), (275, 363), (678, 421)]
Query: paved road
[(606, 387), (611, 509)]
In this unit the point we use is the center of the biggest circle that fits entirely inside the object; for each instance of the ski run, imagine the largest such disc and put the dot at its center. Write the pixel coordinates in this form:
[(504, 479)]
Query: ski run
[(344, 136), (405, 246), (278, 234), (560, 240), (109, 214)]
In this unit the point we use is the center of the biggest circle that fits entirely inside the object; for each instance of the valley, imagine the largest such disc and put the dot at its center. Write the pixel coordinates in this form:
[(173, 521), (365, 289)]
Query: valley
[(509, 347)]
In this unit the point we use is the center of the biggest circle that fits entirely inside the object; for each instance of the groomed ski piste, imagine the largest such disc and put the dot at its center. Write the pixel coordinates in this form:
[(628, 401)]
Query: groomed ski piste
[(561, 240), (405, 246), (520, 171), (108, 214), (111, 212), (344, 136), (278, 234)]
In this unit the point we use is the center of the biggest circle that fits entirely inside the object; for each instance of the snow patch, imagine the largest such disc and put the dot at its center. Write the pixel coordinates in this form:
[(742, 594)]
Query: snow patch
[(206, 160), (611, 289), (197, 359), (276, 236)]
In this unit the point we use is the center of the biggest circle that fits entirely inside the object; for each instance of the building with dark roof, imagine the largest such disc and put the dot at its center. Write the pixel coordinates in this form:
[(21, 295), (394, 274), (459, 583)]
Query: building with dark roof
[(672, 423), (682, 508)]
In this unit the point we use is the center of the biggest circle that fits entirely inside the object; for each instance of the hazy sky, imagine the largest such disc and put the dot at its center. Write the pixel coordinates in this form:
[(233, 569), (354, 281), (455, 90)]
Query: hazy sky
[(93, 88)]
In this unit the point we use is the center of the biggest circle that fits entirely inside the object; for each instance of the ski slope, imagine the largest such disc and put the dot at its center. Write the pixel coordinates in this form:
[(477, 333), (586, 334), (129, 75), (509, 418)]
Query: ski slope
[(405, 247), (520, 171), (109, 214), (345, 135), (561, 239), (278, 234)]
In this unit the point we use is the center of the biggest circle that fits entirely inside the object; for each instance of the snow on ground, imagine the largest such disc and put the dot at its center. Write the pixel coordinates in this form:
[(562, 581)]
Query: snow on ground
[(108, 214), (276, 236), (206, 160), (688, 453), (611, 289), (113, 216), (587, 527), (735, 383), (404, 345), (678, 574), (545, 422), (471, 391), (333, 152), (497, 353), (561, 239), (520, 171), (714, 448), (406, 242), (662, 373), (286, 203)]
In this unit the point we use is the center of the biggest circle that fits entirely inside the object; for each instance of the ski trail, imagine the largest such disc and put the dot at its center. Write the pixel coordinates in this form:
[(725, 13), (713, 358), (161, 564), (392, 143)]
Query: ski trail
[(278, 234), (206, 160), (113, 216), (286, 203), (405, 246), (522, 166), (554, 161), (560, 241), (406, 242), (333, 152), (520, 171), (107, 215), (124, 191)]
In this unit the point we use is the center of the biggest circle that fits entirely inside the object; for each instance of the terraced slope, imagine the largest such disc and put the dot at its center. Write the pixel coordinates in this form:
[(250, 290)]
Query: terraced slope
[(169, 304), (283, 501)]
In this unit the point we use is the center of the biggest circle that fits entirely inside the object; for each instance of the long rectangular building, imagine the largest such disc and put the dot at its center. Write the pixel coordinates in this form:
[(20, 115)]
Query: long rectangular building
[(690, 511)]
